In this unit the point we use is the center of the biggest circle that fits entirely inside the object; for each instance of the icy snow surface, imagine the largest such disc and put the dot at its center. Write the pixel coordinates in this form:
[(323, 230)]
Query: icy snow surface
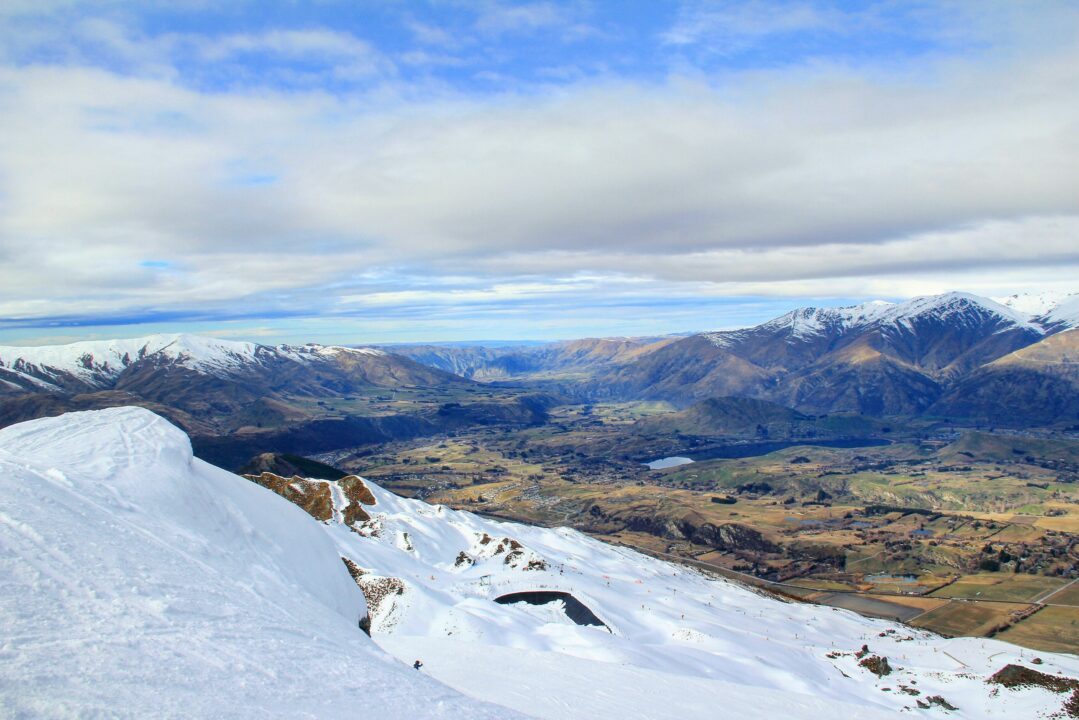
[(1066, 314), (1033, 304)]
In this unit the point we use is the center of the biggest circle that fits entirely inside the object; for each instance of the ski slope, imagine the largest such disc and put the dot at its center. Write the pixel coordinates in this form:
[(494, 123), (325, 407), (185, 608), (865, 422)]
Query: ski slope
[(678, 644)]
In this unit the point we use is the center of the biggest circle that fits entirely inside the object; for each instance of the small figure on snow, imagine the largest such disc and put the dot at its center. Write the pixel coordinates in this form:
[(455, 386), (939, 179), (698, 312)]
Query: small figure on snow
[(417, 665)]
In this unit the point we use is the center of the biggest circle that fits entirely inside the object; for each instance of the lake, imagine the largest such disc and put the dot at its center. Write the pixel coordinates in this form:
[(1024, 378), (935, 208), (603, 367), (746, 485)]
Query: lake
[(745, 450), (668, 462)]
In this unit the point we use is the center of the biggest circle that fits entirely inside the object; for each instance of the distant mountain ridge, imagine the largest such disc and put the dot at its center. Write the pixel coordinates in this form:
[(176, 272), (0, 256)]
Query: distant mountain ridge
[(874, 359), (220, 391), (955, 355), (877, 358), (96, 365), (564, 356)]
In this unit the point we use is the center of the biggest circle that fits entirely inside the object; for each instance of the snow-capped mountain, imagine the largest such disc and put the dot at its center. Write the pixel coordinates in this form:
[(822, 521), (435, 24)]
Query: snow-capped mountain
[(100, 364), (137, 581), (954, 309), (212, 388), (877, 358)]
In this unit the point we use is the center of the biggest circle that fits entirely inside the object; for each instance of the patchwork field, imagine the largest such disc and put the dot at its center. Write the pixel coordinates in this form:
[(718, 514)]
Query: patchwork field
[(969, 618), (1068, 595)]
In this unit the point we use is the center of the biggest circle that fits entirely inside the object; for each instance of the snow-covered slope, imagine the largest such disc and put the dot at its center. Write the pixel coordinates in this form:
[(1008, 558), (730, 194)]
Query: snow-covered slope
[(97, 363), (1035, 304), (676, 644), (1065, 315), (136, 581)]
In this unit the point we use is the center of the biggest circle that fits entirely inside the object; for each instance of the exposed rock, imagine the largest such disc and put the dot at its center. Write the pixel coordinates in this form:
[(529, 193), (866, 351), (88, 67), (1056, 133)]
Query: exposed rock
[(353, 569), (358, 495), (1017, 676), (877, 665), (729, 536), (313, 496), (937, 700)]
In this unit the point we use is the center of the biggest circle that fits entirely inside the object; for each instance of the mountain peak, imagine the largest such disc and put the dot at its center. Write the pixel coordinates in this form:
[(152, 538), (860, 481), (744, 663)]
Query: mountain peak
[(957, 306)]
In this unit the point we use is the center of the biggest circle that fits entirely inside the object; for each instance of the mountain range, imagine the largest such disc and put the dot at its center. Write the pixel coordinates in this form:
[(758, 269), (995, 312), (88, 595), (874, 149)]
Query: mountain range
[(234, 398), (955, 355)]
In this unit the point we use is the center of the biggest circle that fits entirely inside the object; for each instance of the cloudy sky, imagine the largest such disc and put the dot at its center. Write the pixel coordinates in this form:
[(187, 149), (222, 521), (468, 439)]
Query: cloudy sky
[(397, 171)]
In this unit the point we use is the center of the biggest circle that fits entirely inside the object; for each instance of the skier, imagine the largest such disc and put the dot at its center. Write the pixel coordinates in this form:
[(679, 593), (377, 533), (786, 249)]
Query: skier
[(417, 665)]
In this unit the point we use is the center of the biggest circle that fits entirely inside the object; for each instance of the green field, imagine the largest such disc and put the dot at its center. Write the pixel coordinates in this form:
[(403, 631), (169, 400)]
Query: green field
[(1008, 587), (1068, 596)]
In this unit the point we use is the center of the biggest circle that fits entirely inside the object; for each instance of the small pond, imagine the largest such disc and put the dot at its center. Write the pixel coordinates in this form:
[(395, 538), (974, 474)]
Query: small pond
[(886, 578)]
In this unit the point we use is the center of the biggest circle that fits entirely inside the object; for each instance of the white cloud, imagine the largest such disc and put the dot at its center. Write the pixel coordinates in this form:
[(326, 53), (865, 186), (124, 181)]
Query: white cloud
[(497, 18), (823, 180), (740, 24), (339, 49)]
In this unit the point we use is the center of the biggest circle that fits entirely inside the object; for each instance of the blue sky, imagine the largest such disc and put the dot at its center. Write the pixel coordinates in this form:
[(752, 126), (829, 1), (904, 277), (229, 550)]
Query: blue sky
[(402, 171)]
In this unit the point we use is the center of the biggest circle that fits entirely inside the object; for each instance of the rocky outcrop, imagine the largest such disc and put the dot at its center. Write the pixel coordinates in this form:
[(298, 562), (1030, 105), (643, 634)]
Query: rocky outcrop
[(728, 536), (311, 495), (358, 495)]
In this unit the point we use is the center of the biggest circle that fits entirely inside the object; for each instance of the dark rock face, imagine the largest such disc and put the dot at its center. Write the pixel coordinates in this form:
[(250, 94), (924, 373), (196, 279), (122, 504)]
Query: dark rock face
[(690, 369), (691, 526), (1012, 397), (1038, 384), (875, 387), (1018, 676)]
